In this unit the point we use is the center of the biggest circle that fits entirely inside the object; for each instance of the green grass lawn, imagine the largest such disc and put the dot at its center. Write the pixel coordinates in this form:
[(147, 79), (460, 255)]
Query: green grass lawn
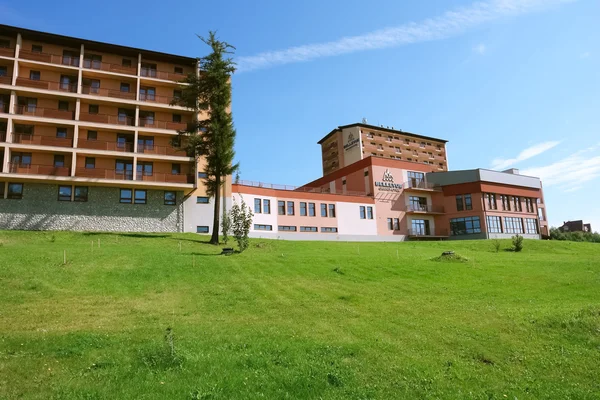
[(295, 320)]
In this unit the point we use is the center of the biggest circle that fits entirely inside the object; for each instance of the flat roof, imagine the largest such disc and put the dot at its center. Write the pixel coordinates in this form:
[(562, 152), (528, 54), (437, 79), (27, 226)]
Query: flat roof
[(98, 46), (380, 128)]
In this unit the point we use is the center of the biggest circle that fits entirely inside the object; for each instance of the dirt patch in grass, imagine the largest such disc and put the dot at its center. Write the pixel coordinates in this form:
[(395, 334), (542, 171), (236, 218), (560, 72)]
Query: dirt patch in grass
[(451, 258)]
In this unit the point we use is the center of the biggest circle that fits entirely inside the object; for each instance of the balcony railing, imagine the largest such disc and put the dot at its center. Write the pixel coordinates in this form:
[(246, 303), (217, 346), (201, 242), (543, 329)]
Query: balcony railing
[(107, 119), (105, 145), (161, 150), (4, 108), (46, 85), (24, 138), (102, 173), (168, 178), (72, 61), (153, 123), (7, 52), (299, 189), (5, 80), (107, 92), (35, 111), (422, 208), (154, 98), (428, 233), (118, 68), (38, 169), (2, 136), (153, 73), (419, 184)]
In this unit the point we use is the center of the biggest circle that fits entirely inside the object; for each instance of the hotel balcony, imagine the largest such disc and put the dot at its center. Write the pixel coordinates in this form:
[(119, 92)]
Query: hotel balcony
[(69, 60), (42, 140), (4, 108), (2, 136), (165, 177), (154, 98), (156, 124), (34, 111), (5, 80), (7, 52), (47, 85), (107, 119), (161, 150), (420, 185), (109, 67), (146, 72), (423, 209), (105, 145), (102, 92), (38, 169), (104, 173)]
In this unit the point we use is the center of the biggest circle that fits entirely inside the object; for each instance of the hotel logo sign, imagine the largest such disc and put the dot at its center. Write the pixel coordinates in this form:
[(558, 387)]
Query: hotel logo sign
[(387, 183), (351, 142)]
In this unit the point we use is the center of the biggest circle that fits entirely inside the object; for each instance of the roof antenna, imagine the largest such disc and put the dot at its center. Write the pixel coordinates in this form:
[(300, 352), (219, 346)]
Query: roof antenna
[(364, 120)]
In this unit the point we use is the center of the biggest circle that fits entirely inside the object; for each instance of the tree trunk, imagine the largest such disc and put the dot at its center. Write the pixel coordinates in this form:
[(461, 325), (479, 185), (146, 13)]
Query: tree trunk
[(215, 233)]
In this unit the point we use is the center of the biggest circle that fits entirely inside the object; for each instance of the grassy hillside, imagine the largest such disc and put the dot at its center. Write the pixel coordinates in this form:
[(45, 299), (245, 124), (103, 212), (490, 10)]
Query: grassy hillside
[(295, 319)]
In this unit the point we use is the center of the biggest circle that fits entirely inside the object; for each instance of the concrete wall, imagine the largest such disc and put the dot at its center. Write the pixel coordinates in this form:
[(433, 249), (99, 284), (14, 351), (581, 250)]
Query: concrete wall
[(39, 209)]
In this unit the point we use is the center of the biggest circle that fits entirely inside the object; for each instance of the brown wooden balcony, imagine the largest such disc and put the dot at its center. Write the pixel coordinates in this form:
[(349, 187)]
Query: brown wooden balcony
[(101, 173), (24, 138), (38, 169), (107, 119), (46, 85), (7, 52), (4, 108), (421, 185), (6, 80), (107, 93), (2, 136), (34, 111), (102, 66), (168, 76), (424, 209), (161, 150), (167, 178), (154, 98), (49, 58), (153, 123), (104, 145)]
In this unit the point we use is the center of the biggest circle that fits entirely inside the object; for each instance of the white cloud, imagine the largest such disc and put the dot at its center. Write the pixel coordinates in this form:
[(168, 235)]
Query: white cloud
[(571, 172), (480, 49), (449, 24), (526, 154)]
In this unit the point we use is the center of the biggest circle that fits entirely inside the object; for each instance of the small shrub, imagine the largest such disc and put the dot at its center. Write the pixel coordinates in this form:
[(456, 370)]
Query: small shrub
[(241, 220), (226, 226), (497, 244), (517, 243), (451, 258), (164, 357)]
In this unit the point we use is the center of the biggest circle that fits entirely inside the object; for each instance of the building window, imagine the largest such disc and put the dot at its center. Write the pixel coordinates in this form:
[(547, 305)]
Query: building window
[(61, 133), (176, 118), (34, 75), (344, 181), (3, 70), (90, 163), (517, 203), (286, 228), (5, 43), (202, 175), (312, 210), (202, 229), (175, 169), (266, 206), (259, 227), (64, 193), (202, 200), (290, 208), (81, 194), (141, 197), (59, 161), (490, 200), (422, 144), (281, 207), (63, 105), (178, 70), (15, 191), (513, 225), (390, 224), (302, 209), (468, 202), (126, 196), (415, 179), (257, 206), (36, 48), (323, 210), (369, 212), (170, 198), (308, 229), (505, 202), (126, 62), (363, 214), (367, 173), (332, 210), (329, 230), (531, 226), (419, 227), (459, 203), (125, 87), (465, 226), (93, 109), (177, 94), (396, 224), (493, 224), (529, 205)]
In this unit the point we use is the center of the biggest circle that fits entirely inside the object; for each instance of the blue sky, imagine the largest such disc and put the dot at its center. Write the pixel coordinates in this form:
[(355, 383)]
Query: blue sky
[(507, 82)]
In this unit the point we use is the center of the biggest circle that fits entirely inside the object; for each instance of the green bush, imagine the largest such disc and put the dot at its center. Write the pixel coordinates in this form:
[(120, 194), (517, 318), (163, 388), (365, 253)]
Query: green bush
[(517, 243)]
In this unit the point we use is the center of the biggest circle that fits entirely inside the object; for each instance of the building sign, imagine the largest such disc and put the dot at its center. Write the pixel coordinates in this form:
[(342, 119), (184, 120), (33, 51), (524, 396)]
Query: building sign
[(387, 183), (351, 142)]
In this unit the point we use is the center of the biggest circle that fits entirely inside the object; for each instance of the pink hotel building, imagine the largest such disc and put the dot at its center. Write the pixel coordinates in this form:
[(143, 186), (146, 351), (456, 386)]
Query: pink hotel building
[(385, 197)]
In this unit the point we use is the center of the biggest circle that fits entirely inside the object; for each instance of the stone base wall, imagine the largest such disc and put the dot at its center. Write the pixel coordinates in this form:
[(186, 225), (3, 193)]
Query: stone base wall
[(39, 209)]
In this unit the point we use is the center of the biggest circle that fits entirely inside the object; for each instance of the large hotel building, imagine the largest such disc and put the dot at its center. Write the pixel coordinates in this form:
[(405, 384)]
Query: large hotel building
[(86, 143)]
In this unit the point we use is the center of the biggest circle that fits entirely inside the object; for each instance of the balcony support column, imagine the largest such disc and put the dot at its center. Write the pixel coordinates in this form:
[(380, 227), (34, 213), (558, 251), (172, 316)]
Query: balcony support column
[(16, 63), (137, 116), (77, 109), (135, 141), (80, 75), (9, 130), (134, 172), (139, 70), (5, 162), (75, 136), (12, 103), (74, 162)]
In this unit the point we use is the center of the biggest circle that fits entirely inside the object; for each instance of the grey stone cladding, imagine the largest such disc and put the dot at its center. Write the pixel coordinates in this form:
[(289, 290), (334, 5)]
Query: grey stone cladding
[(39, 209)]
